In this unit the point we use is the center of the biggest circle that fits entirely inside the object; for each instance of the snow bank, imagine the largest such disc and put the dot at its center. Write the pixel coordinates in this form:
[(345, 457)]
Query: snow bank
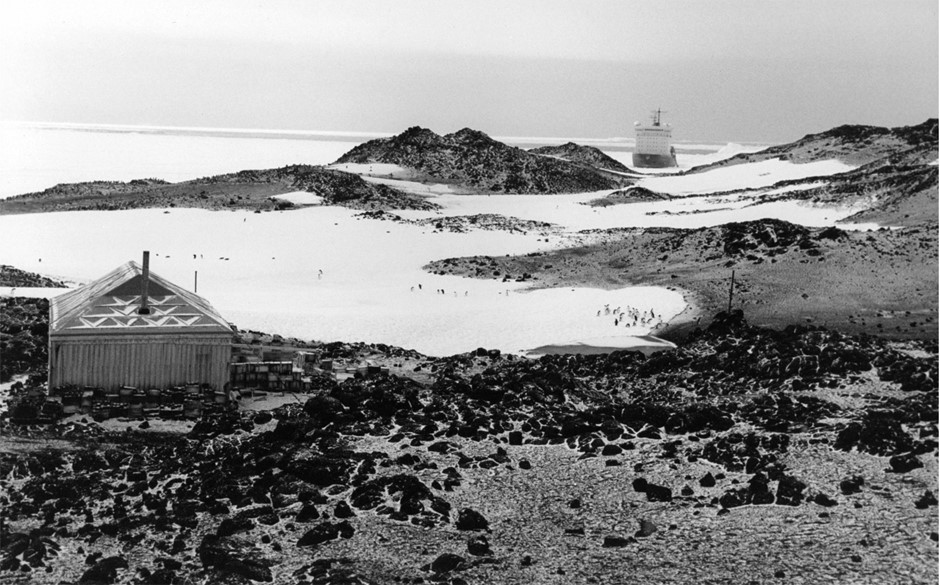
[(301, 198), (743, 176)]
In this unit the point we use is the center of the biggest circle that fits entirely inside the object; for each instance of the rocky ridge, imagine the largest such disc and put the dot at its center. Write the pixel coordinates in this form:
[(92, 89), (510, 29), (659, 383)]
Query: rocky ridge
[(464, 223), (252, 190), (583, 155), (632, 194), (12, 276), (852, 144), (472, 159)]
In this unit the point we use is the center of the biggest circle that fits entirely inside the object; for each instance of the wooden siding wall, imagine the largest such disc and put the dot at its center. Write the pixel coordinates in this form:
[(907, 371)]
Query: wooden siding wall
[(143, 361)]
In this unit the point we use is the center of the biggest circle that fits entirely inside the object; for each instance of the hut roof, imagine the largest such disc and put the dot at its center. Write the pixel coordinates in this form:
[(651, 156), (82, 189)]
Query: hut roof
[(110, 304)]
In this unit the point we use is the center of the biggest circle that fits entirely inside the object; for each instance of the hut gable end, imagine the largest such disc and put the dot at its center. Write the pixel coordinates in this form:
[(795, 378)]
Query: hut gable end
[(99, 338)]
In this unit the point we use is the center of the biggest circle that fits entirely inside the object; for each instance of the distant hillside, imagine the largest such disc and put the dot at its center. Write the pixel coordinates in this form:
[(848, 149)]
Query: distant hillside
[(851, 144), (10, 276), (584, 155), (898, 190), (881, 282), (471, 158), (253, 190)]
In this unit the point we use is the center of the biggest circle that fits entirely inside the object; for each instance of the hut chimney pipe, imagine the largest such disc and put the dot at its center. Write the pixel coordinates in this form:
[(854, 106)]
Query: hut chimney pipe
[(145, 286)]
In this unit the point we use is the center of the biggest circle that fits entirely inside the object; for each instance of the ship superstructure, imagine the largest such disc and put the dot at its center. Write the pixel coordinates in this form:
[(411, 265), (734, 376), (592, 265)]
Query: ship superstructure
[(654, 144)]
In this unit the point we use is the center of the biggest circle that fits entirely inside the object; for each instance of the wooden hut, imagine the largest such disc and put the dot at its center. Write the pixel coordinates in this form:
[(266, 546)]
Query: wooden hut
[(133, 328)]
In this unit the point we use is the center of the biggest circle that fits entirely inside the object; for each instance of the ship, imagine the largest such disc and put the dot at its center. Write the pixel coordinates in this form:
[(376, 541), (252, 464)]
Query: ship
[(654, 144)]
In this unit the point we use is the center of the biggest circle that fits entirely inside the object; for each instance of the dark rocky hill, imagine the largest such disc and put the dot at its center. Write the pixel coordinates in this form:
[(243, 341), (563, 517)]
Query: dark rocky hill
[(11, 276), (584, 155), (852, 144), (252, 189), (472, 159), (629, 195)]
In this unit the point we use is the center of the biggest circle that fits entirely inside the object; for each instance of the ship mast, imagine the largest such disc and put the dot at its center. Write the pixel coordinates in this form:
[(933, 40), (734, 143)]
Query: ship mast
[(657, 115)]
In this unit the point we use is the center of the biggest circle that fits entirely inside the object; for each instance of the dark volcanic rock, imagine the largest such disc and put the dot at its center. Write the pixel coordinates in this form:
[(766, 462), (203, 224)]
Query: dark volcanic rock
[(479, 546), (851, 485), (324, 532), (904, 463), (104, 571), (878, 433), (658, 493), (647, 528), (447, 562), (824, 500), (790, 491), (469, 519), (617, 541), (926, 500), (230, 556)]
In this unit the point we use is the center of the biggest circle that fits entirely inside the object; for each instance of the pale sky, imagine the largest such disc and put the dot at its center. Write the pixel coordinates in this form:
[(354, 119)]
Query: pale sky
[(723, 70)]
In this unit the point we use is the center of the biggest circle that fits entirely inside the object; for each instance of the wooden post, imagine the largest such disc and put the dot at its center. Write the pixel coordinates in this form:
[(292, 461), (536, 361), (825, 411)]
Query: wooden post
[(731, 291)]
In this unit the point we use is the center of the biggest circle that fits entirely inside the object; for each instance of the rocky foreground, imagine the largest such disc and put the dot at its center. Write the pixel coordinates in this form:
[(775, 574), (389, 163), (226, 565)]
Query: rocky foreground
[(254, 190), (747, 455)]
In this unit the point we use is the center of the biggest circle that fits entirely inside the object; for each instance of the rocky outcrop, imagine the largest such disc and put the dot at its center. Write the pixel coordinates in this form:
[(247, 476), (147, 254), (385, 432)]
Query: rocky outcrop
[(853, 144), (472, 159), (254, 190), (11, 276), (629, 195), (583, 155)]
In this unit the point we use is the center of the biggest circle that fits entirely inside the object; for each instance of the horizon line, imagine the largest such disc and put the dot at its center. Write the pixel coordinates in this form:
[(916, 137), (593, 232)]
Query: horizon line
[(281, 133)]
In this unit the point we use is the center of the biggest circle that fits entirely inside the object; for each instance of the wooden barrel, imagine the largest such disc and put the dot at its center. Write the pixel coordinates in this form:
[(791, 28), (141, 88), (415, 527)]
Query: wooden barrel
[(85, 406), (135, 411), (126, 392)]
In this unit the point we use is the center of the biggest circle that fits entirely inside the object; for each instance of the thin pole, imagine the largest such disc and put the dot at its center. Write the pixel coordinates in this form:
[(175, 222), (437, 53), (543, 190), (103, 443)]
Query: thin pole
[(196, 281), (731, 291)]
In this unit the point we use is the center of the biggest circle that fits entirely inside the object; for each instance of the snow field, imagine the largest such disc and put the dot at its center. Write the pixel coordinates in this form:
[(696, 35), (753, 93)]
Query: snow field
[(262, 271)]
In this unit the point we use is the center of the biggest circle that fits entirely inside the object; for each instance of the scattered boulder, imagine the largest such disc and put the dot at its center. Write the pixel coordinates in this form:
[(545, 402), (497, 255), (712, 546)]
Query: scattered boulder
[(647, 528), (789, 491), (658, 493), (469, 519), (707, 480), (926, 500), (324, 532), (479, 546), (446, 563), (851, 485), (617, 541), (104, 571), (904, 463)]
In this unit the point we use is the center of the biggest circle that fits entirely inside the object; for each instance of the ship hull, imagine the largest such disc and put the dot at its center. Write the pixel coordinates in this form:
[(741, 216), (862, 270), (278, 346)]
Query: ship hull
[(654, 161)]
